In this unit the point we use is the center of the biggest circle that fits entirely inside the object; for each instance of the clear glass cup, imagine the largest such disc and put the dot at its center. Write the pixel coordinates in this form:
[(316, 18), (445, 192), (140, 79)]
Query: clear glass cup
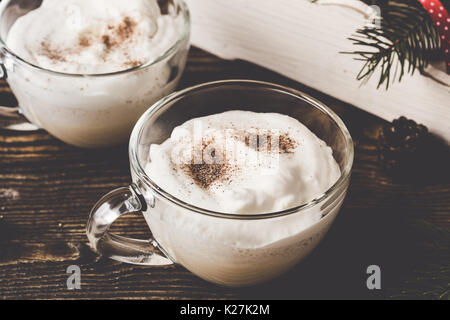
[(87, 110), (280, 239)]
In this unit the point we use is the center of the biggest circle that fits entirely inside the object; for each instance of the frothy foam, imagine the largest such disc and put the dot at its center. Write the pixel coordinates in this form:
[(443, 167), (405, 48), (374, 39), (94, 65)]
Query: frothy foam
[(94, 37), (243, 162), (85, 36)]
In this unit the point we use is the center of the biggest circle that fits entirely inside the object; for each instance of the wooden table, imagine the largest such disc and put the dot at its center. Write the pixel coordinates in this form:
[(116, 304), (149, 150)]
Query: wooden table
[(47, 189)]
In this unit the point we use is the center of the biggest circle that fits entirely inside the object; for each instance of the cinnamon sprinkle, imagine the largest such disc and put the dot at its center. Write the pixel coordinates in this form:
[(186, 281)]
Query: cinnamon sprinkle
[(120, 33), (287, 144), (217, 169), (206, 173), (115, 36), (133, 63), (107, 41), (84, 41), (126, 28), (261, 142), (51, 53)]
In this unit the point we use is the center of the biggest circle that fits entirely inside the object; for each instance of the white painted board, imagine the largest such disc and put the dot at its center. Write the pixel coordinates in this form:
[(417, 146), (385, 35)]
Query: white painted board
[(303, 41)]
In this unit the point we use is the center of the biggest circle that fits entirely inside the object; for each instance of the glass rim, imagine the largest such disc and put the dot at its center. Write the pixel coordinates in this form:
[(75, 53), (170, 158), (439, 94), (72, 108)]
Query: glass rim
[(138, 168), (173, 48)]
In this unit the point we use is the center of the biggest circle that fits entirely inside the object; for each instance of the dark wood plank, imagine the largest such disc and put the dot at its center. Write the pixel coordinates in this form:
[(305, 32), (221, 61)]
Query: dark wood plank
[(47, 189)]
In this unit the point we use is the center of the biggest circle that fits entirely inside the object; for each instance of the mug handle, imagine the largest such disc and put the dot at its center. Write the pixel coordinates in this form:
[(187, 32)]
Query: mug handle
[(11, 118), (112, 206)]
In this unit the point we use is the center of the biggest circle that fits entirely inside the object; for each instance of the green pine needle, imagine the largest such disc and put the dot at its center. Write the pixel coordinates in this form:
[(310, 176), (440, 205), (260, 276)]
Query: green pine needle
[(405, 42), (430, 279)]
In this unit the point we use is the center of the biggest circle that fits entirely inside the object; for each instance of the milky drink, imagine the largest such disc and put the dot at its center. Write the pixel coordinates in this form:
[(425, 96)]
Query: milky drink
[(241, 162), (93, 38)]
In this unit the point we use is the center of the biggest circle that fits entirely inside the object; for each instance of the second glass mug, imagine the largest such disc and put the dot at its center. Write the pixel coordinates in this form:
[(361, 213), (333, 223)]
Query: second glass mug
[(87, 110), (207, 242)]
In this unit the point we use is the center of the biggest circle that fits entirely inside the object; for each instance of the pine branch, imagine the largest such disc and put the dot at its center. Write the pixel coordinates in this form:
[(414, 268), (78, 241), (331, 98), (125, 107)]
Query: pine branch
[(406, 41)]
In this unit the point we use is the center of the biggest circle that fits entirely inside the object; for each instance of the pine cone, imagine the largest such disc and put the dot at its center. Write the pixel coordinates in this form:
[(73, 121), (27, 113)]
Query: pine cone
[(401, 144)]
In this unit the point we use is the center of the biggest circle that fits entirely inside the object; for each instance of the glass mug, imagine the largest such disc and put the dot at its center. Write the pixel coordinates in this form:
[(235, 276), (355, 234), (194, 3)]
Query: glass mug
[(205, 242), (87, 110)]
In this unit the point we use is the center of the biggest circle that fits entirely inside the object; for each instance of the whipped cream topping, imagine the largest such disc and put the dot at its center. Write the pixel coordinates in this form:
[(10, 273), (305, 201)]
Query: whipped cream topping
[(243, 162), (93, 36)]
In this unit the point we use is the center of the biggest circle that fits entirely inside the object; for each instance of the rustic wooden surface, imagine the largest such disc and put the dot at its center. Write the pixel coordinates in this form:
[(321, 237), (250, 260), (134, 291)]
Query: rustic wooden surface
[(47, 189)]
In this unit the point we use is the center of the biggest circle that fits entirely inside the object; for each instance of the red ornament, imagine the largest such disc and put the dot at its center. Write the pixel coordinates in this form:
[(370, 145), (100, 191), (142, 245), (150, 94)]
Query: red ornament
[(441, 21)]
